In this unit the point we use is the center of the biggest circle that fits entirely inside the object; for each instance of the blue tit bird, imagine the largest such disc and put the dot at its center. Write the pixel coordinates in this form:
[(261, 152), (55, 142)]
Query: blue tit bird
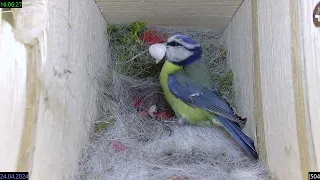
[(187, 87)]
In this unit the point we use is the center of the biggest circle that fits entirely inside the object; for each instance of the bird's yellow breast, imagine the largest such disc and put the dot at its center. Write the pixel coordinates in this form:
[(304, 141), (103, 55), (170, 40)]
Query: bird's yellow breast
[(193, 115)]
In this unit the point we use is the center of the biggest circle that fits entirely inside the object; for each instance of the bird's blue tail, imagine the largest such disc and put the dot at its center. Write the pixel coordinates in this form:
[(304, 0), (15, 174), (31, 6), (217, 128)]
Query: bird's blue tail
[(235, 131)]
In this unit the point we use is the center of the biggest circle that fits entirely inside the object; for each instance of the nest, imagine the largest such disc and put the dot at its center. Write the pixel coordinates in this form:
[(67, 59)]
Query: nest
[(126, 143)]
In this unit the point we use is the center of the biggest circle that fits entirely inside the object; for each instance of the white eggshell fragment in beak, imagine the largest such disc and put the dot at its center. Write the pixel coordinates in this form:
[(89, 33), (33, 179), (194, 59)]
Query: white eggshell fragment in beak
[(158, 51)]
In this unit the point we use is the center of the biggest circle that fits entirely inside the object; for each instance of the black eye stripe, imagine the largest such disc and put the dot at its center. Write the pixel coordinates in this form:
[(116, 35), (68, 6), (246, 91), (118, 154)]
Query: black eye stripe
[(174, 43)]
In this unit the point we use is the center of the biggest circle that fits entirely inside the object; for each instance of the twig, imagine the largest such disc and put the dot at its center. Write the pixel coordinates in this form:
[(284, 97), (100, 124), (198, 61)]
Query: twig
[(136, 56)]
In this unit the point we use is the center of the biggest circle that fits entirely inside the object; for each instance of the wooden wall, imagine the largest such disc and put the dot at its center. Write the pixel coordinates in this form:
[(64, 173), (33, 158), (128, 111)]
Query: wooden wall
[(309, 39), (48, 108), (174, 13), (13, 74), (277, 82)]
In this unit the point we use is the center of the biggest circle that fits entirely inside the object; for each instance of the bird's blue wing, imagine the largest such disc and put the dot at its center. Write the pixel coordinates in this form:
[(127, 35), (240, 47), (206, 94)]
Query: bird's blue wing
[(201, 97), (198, 96)]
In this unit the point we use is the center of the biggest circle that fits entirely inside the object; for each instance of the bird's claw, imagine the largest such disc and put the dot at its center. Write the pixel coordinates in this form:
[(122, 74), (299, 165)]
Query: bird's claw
[(241, 120)]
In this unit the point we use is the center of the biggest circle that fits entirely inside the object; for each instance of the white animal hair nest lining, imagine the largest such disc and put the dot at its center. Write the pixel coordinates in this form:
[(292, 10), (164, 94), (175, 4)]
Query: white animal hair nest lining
[(133, 148)]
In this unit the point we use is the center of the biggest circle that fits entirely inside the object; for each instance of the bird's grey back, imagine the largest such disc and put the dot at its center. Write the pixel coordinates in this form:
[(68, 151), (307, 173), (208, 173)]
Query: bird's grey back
[(196, 74)]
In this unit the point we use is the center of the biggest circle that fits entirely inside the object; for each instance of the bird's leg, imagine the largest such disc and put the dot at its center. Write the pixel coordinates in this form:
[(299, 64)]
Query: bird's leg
[(243, 120)]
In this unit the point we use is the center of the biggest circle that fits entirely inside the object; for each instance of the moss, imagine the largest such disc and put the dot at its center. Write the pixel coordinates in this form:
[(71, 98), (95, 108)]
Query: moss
[(126, 43), (225, 82), (223, 53), (127, 34), (101, 126), (84, 177)]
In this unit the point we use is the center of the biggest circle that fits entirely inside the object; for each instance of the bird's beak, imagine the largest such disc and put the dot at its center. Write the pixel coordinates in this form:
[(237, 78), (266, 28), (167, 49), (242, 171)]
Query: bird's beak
[(158, 51)]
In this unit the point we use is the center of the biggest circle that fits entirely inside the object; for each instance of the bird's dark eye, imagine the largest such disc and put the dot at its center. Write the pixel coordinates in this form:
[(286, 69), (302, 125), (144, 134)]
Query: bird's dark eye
[(174, 43)]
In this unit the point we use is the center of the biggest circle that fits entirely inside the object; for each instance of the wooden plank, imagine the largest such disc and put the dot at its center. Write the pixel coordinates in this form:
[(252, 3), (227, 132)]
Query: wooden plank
[(28, 137), (297, 79), (310, 39), (285, 83), (13, 72), (239, 34), (258, 103), (171, 1), (186, 13), (73, 46), (242, 32), (179, 22), (279, 115)]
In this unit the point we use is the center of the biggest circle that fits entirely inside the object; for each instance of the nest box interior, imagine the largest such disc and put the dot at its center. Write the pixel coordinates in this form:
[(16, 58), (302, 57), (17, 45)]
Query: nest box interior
[(272, 48)]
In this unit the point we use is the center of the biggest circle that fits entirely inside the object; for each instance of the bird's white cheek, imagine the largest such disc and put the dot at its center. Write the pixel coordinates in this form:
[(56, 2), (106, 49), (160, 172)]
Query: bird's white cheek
[(177, 54)]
